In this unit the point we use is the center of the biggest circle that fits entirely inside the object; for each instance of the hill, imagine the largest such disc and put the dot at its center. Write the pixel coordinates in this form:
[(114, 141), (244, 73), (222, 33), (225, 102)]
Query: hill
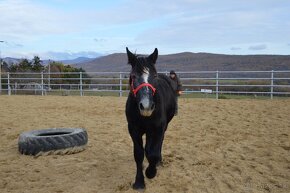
[(113, 62), (77, 60), (188, 61)]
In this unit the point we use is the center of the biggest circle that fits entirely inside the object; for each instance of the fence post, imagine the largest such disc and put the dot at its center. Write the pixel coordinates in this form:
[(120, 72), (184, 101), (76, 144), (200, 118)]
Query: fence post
[(8, 84), (217, 85), (49, 74), (120, 83), (0, 77), (272, 83), (81, 83), (15, 88), (42, 83)]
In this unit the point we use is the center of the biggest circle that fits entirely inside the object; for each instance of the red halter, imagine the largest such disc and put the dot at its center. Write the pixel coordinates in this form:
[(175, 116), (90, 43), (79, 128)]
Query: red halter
[(140, 86)]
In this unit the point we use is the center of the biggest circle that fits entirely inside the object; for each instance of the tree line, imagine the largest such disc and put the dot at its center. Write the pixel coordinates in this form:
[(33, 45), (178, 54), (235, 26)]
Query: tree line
[(63, 74), (36, 65)]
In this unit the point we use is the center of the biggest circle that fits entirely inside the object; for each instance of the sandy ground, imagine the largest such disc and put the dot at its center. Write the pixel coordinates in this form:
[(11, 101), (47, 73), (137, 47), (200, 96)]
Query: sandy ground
[(211, 146)]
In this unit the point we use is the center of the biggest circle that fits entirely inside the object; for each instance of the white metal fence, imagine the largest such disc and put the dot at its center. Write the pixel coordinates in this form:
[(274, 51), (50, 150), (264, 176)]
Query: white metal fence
[(197, 83)]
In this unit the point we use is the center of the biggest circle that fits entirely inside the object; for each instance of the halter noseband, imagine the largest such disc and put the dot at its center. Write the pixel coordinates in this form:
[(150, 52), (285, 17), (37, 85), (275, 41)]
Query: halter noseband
[(135, 90)]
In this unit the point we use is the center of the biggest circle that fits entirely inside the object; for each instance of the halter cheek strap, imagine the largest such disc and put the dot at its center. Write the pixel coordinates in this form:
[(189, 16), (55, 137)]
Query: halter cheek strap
[(140, 86)]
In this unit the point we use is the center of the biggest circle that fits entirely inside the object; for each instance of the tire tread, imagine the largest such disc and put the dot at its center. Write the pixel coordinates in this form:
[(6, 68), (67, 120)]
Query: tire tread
[(34, 144)]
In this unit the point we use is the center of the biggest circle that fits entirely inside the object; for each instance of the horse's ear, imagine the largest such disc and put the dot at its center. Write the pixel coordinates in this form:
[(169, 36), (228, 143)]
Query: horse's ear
[(153, 57), (131, 57)]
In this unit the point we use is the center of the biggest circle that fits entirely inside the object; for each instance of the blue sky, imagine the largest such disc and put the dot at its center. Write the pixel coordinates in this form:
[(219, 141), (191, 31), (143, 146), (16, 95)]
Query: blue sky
[(65, 29)]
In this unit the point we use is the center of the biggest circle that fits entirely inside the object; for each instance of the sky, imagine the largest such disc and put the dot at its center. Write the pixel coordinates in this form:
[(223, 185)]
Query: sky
[(66, 29)]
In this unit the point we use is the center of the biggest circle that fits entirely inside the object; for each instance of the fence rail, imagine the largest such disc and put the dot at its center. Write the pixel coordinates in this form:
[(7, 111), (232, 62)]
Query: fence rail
[(214, 83)]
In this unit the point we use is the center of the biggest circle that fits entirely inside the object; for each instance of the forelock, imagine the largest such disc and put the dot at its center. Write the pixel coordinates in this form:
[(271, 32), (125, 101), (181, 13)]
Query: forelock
[(143, 65)]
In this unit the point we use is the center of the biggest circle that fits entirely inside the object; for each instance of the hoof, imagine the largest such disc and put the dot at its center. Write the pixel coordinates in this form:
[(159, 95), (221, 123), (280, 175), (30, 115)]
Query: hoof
[(160, 164), (139, 186), (151, 172)]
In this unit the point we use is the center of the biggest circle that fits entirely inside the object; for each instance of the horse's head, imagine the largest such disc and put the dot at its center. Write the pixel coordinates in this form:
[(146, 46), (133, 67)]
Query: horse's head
[(142, 74)]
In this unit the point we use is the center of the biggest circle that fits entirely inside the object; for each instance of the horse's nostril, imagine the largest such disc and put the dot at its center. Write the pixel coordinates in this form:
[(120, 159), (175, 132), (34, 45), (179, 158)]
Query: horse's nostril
[(141, 106)]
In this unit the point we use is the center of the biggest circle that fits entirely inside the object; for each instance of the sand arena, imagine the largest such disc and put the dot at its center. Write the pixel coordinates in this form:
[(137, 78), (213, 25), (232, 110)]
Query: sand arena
[(211, 146)]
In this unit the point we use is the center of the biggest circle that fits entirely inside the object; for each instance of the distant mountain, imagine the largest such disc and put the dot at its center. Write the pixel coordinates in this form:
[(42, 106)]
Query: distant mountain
[(185, 61), (58, 56), (77, 60), (10, 60), (111, 63), (188, 61)]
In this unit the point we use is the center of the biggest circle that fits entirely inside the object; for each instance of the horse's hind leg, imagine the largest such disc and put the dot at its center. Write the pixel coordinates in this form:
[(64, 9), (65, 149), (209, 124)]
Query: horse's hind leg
[(161, 145), (160, 162), (139, 157)]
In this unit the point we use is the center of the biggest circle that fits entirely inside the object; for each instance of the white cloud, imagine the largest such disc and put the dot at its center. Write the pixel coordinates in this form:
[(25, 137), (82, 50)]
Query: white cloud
[(258, 47), (222, 27), (27, 20), (235, 48), (185, 25), (20, 18)]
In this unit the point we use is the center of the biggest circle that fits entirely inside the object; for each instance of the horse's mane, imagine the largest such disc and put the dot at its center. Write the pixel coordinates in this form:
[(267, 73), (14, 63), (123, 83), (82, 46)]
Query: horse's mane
[(172, 83)]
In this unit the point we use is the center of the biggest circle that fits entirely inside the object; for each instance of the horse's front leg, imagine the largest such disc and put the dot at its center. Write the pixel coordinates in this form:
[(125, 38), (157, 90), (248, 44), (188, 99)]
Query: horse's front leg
[(153, 152), (139, 157)]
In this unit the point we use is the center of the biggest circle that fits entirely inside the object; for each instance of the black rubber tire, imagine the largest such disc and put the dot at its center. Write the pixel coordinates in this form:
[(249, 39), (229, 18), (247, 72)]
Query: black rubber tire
[(52, 141)]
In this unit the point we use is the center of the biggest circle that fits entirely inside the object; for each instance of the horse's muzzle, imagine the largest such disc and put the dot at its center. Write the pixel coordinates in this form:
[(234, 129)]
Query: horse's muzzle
[(146, 107)]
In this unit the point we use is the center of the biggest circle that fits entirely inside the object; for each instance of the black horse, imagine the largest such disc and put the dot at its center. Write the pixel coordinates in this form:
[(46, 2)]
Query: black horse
[(150, 107)]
